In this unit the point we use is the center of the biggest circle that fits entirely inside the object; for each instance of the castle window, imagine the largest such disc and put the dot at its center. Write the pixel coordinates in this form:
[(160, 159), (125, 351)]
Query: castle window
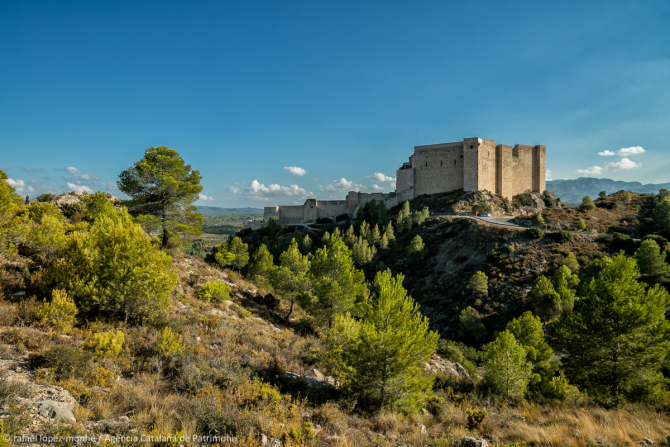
[(471, 146), (440, 162), (426, 163)]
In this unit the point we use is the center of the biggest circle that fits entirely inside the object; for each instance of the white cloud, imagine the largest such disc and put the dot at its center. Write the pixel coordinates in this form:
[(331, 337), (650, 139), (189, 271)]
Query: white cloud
[(78, 188), (294, 170), (31, 189), (381, 178), (259, 192), (16, 184), (376, 187), (630, 151), (342, 185), (593, 170), (607, 153), (623, 164), (82, 175), (548, 174), (5, 168), (29, 169), (201, 196)]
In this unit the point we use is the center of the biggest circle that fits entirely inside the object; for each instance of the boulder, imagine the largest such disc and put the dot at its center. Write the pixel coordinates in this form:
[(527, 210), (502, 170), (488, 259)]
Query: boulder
[(473, 442), (58, 411)]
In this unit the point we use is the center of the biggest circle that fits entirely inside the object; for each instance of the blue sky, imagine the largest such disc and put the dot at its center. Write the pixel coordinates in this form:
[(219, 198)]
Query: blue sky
[(249, 91)]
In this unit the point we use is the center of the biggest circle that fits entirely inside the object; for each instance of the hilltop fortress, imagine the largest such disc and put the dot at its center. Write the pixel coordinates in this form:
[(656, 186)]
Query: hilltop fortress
[(473, 164)]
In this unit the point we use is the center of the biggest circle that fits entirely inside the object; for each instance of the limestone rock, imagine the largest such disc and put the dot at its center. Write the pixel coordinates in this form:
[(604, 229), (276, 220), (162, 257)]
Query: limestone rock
[(474, 442), (438, 365), (58, 411)]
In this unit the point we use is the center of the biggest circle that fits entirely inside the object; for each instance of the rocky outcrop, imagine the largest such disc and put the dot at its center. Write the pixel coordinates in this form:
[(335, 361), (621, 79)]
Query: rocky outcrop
[(438, 365), (474, 442)]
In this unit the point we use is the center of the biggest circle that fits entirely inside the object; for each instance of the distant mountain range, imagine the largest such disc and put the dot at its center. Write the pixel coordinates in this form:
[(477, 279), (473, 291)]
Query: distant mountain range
[(574, 190), (216, 211)]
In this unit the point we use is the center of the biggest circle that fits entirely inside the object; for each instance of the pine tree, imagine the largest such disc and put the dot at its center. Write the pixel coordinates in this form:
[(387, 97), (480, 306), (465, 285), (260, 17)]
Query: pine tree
[(291, 277), (384, 242), (571, 263), (388, 231), (479, 284), (540, 219), (375, 236), (114, 270), (470, 326), (364, 231), (527, 329), (261, 265), (661, 214), (507, 369), (362, 252), (602, 195), (626, 196), (550, 297), (233, 253), (404, 219), (416, 249), (162, 190), (350, 236), (651, 261), (383, 354), (616, 340), (587, 204), (306, 244), (338, 286)]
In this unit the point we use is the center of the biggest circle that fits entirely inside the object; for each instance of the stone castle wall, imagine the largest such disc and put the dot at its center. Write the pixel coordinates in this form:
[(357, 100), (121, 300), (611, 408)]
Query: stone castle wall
[(473, 164)]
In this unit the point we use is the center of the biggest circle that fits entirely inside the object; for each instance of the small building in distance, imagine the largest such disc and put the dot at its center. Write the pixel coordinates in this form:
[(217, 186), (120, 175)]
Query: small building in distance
[(474, 164)]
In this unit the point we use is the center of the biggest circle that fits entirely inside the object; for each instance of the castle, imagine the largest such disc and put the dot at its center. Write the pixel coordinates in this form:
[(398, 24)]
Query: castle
[(473, 164)]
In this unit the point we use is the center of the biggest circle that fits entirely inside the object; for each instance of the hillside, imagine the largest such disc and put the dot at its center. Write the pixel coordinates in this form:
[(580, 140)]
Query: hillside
[(220, 360), (573, 190)]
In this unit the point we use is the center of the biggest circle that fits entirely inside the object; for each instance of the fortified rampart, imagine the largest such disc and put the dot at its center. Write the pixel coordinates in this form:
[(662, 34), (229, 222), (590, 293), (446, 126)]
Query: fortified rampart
[(473, 164)]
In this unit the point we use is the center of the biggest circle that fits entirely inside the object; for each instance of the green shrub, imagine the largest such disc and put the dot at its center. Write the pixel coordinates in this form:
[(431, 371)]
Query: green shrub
[(64, 361), (60, 312), (547, 201), (481, 207), (168, 342), (534, 233), (475, 417), (48, 197), (607, 204), (560, 236), (660, 240), (214, 291), (105, 344)]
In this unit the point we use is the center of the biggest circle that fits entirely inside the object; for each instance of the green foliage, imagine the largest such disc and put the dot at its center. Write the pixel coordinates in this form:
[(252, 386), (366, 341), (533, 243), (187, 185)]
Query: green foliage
[(214, 291), (94, 203), (540, 219), (560, 236), (418, 217), (262, 263), (306, 244), (162, 190), (46, 235), (364, 231), (168, 342), (616, 340), (481, 207), (479, 284), (475, 417), (571, 263), (661, 215), (560, 389), (602, 195), (14, 223), (375, 236), (271, 227), (338, 286), (64, 361), (380, 357), (60, 312), (291, 278), (388, 232), (534, 233), (384, 242), (404, 218), (527, 329), (651, 261), (46, 197), (373, 212), (470, 326), (581, 224), (507, 368), (416, 249), (660, 240), (278, 247), (626, 196), (233, 254), (551, 297), (587, 204), (547, 201), (105, 344), (362, 252), (114, 270)]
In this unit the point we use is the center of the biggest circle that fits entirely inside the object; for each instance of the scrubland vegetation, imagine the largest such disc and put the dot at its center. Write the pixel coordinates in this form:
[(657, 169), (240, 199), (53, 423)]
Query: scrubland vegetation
[(313, 338)]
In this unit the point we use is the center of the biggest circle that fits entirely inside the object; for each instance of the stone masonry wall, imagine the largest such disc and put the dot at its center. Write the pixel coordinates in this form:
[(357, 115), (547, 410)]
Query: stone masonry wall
[(473, 164)]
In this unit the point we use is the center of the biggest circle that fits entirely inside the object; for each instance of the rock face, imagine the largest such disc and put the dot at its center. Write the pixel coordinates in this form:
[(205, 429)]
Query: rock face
[(438, 365), (530, 204), (58, 411), (474, 442)]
